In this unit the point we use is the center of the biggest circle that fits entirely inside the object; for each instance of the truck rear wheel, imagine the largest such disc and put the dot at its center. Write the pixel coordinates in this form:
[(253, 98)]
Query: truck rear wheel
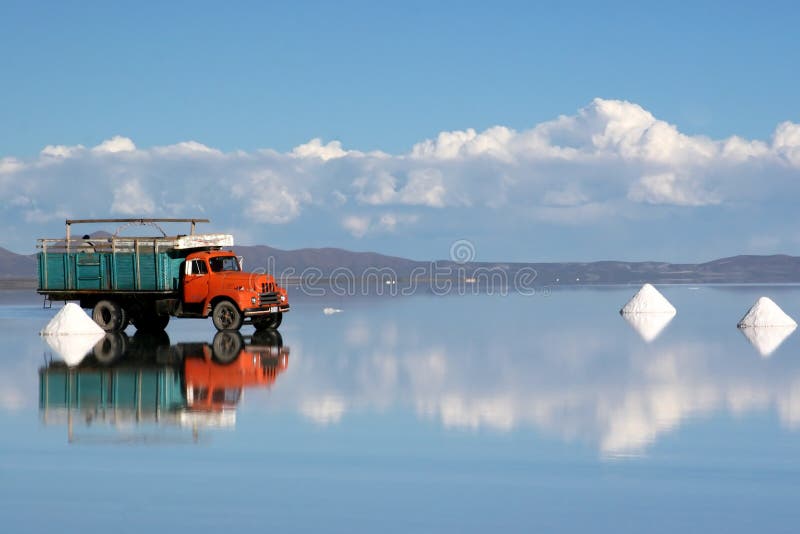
[(268, 322), (226, 316), (110, 316)]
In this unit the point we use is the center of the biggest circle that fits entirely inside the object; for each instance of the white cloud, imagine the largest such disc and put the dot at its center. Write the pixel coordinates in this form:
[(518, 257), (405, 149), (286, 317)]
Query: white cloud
[(424, 187), (315, 149), (494, 142), (10, 165), (569, 196), (786, 142), (381, 189), (187, 148), (62, 151), (269, 199), (115, 145), (612, 160), (358, 226), (669, 188), (130, 198)]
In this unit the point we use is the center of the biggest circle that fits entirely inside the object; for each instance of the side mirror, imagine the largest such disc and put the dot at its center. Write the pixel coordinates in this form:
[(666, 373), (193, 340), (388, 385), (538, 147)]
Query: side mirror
[(241, 262), (187, 267)]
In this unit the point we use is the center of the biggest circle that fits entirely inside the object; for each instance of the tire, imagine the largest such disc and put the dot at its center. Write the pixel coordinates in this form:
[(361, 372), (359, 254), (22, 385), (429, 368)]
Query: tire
[(268, 322), (110, 316), (226, 316), (227, 345), (111, 348), (151, 323)]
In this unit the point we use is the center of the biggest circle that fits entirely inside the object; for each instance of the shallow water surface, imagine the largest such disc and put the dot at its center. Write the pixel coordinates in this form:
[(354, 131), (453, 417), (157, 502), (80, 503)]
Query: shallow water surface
[(421, 414)]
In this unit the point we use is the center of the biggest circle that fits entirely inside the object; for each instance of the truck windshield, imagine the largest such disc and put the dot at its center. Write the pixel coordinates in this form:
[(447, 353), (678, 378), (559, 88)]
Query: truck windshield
[(224, 263)]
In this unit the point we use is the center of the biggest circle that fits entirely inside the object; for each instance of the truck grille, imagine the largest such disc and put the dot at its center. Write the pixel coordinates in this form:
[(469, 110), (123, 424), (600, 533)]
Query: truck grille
[(270, 297), (268, 287)]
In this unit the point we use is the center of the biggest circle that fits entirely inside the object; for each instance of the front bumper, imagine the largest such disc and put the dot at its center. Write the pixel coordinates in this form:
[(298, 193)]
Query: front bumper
[(266, 310)]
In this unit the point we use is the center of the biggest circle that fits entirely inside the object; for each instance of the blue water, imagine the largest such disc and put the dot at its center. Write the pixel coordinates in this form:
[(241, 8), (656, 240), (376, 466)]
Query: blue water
[(431, 414)]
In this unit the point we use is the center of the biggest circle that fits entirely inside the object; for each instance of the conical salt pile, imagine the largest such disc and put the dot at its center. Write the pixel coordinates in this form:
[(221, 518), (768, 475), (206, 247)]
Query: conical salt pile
[(71, 319), (648, 300), (765, 313), (72, 334)]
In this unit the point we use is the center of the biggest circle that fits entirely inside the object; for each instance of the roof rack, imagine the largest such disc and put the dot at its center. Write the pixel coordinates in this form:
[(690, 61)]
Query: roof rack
[(70, 222)]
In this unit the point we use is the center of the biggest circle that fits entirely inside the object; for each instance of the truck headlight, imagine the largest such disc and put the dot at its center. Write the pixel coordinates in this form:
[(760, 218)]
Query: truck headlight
[(252, 300), (283, 298)]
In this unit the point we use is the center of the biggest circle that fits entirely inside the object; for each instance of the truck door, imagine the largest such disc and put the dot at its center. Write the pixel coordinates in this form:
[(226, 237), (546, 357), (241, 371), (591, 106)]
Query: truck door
[(195, 282)]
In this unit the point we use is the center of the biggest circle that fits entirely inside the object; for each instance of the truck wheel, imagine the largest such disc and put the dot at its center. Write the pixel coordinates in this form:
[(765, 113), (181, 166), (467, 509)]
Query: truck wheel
[(109, 315), (268, 322), (227, 345), (226, 316)]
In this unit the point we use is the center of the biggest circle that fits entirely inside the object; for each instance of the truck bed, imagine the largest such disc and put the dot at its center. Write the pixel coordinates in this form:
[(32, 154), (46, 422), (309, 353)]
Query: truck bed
[(117, 264)]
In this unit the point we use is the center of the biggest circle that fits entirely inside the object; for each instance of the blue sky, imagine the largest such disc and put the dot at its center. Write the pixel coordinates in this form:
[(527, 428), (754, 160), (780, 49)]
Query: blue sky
[(386, 78)]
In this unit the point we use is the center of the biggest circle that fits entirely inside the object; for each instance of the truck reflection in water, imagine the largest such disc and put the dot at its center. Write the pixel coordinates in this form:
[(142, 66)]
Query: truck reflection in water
[(127, 383)]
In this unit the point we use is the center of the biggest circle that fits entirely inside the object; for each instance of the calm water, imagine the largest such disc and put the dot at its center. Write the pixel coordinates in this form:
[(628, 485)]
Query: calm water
[(415, 414)]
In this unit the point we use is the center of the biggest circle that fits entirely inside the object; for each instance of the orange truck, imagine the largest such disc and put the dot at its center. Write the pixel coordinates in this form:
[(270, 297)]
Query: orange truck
[(146, 280)]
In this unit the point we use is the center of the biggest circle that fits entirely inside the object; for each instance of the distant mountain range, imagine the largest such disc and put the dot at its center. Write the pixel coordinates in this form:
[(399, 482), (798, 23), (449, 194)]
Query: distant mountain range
[(737, 269), (326, 262), (16, 265)]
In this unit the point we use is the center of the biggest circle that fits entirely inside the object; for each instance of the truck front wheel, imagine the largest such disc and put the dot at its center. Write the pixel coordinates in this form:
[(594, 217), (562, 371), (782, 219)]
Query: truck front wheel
[(110, 316), (268, 322), (226, 316)]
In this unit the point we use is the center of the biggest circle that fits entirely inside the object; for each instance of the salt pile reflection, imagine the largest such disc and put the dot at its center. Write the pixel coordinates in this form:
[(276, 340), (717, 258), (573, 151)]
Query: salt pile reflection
[(767, 339), (648, 325)]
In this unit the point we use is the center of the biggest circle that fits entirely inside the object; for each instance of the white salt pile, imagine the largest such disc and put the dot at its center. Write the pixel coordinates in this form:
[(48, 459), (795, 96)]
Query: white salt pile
[(767, 339), (648, 325), (72, 334), (71, 319), (331, 311), (766, 313), (648, 300)]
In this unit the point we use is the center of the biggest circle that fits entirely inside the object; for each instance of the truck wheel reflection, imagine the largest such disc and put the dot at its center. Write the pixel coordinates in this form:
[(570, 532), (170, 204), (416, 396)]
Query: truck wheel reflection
[(227, 345), (127, 383), (110, 348)]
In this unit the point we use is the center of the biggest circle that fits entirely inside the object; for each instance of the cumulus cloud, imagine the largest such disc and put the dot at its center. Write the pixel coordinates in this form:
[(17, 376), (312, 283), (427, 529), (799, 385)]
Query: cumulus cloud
[(670, 188), (315, 149), (360, 225), (131, 199), (115, 145), (269, 199), (609, 160), (356, 225), (61, 151)]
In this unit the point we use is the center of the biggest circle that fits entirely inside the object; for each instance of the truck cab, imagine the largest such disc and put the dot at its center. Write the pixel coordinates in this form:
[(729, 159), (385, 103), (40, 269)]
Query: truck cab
[(214, 283)]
